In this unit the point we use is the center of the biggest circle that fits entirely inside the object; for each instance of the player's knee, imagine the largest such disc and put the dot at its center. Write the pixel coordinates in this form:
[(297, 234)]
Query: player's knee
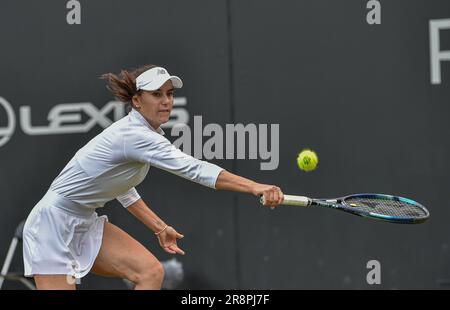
[(151, 272)]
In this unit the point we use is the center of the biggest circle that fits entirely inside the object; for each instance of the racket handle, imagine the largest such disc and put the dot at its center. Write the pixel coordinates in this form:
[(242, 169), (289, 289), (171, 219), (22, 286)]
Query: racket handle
[(290, 200)]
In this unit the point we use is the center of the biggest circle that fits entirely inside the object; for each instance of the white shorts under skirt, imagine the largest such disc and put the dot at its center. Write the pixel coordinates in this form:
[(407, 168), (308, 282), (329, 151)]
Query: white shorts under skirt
[(61, 237)]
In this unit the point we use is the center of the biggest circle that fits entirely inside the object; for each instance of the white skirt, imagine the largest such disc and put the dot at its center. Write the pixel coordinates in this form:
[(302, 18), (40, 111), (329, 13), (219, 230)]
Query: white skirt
[(61, 237)]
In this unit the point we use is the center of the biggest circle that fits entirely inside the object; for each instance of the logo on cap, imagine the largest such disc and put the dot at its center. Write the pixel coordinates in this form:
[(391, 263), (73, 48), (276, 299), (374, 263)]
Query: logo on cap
[(161, 71)]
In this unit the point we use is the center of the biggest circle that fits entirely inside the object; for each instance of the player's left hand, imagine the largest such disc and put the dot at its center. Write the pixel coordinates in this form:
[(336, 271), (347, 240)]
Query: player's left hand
[(168, 241)]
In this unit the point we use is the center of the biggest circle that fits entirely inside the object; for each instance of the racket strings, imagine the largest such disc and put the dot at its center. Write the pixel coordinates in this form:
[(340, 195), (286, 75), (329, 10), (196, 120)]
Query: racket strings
[(387, 207)]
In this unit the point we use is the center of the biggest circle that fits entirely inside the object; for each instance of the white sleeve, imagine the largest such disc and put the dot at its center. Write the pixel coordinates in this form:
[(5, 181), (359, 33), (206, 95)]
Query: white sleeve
[(129, 197), (152, 148)]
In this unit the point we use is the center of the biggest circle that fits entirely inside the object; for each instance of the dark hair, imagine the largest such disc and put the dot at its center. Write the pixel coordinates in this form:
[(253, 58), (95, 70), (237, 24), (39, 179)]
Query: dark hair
[(123, 85)]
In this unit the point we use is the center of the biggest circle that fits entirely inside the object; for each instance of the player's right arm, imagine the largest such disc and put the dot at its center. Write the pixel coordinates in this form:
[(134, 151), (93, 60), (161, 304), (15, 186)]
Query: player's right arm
[(232, 182), (156, 150)]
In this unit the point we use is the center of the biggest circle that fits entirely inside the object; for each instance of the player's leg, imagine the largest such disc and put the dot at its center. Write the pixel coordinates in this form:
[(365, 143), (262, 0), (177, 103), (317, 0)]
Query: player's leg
[(122, 256), (54, 282)]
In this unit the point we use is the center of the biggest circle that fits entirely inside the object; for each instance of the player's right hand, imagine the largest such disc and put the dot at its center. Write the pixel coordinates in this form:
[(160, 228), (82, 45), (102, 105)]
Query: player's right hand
[(272, 194)]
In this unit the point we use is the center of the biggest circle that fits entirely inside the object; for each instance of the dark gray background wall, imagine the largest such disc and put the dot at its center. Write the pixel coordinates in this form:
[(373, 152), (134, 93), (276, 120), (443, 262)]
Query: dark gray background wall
[(359, 95)]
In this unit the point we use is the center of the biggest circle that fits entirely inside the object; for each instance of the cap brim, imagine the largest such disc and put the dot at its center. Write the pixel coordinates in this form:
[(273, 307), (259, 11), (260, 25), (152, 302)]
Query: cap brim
[(176, 82)]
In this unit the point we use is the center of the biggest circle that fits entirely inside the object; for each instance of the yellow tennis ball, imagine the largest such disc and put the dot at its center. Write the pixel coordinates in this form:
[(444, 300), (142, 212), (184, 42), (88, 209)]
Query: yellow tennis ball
[(307, 160)]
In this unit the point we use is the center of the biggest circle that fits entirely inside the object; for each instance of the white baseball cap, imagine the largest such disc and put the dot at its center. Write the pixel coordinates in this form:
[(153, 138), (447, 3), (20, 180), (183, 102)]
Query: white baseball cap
[(154, 78)]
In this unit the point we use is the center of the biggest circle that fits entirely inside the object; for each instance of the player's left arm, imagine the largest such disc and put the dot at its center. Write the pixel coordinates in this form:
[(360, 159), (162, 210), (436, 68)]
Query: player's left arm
[(167, 235)]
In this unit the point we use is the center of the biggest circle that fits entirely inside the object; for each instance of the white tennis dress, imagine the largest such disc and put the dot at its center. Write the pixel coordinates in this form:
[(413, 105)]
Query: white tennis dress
[(63, 233)]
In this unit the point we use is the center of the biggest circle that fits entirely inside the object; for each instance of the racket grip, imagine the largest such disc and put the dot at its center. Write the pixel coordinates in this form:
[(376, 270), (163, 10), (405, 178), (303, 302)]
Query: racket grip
[(291, 200)]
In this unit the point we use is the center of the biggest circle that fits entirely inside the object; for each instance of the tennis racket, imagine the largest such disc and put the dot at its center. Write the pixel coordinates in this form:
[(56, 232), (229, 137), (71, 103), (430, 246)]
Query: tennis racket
[(382, 207)]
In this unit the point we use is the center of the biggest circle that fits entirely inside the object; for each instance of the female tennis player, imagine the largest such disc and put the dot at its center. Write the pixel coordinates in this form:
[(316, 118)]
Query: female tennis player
[(64, 238)]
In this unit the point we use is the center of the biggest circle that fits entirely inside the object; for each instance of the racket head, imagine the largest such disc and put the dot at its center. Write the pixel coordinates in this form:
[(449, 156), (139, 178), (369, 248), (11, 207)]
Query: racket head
[(384, 207)]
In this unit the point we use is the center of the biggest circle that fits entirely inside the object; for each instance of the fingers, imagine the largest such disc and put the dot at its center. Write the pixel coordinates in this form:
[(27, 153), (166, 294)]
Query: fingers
[(169, 250), (273, 196), (169, 243), (174, 249), (276, 196)]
